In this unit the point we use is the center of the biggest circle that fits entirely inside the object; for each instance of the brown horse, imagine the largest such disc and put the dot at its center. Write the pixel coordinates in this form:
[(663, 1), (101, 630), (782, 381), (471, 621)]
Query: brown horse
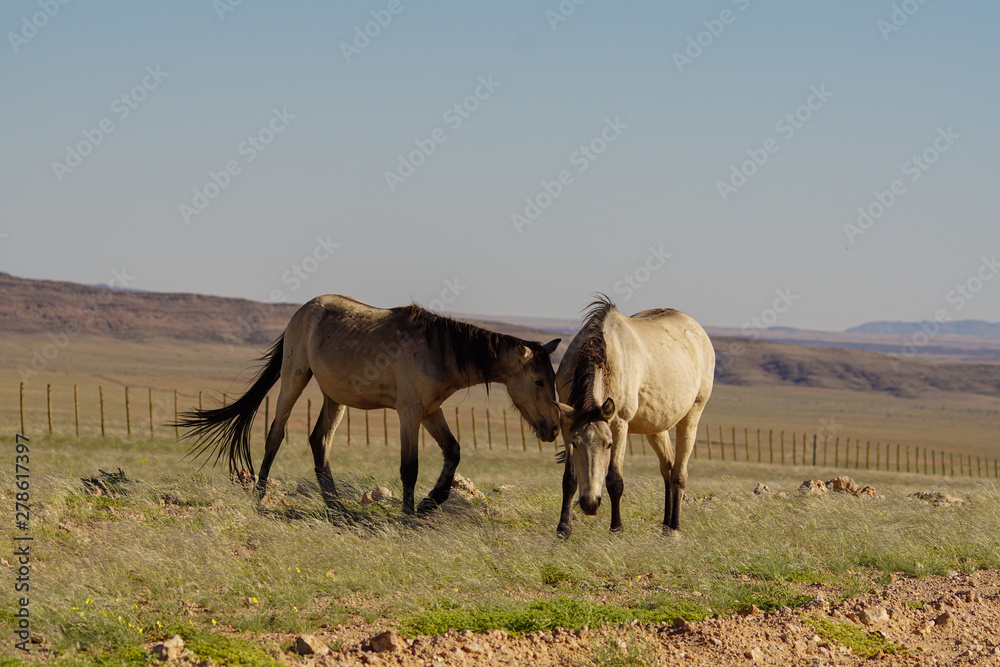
[(642, 374), (405, 358)]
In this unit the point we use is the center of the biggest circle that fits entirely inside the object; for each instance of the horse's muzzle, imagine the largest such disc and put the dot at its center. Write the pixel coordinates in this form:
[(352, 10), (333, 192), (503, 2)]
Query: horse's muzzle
[(590, 505)]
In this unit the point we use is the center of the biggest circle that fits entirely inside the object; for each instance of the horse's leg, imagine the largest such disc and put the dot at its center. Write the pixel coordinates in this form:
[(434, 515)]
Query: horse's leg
[(438, 428), (687, 431), (321, 439), (409, 430), (660, 442), (569, 491), (615, 481), (294, 378)]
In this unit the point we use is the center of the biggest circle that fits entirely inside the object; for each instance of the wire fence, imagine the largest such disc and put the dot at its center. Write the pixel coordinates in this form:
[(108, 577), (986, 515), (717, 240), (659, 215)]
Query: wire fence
[(142, 412)]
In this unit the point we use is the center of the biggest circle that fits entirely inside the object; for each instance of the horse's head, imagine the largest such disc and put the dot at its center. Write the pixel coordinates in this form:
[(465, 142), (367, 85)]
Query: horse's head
[(589, 447), (532, 388)]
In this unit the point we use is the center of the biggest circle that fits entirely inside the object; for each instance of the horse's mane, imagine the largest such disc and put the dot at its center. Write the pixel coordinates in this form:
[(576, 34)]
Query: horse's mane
[(472, 347), (591, 358)]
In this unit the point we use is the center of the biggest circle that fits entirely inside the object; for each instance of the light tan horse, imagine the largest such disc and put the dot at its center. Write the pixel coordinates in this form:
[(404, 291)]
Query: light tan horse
[(406, 358), (642, 374)]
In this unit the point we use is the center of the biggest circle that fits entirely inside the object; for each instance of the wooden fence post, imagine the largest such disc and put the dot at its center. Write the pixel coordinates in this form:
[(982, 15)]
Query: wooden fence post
[(814, 451), (200, 402), (857, 454), (908, 458), (267, 414), (878, 455), (795, 450), (48, 402), (128, 414), (630, 451), (952, 456), (708, 441), (782, 448), (770, 442), (759, 448), (458, 427), (368, 431), (151, 436), (385, 426), (489, 430), (309, 416), (100, 390), (897, 458), (348, 426), (746, 443), (836, 452), (177, 432), (868, 451), (475, 438), (642, 441), (734, 443), (21, 394), (722, 444), (76, 410), (524, 440), (506, 435)]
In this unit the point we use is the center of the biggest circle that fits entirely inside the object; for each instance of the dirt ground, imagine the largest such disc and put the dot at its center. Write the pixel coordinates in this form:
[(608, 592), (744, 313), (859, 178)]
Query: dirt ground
[(934, 621)]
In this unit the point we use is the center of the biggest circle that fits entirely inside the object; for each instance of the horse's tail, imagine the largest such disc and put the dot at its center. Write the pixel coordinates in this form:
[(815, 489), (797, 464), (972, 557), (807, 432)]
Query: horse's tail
[(228, 428)]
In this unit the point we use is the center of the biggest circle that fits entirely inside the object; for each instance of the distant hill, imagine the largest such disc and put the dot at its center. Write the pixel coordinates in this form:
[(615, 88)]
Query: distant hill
[(973, 328), (40, 307)]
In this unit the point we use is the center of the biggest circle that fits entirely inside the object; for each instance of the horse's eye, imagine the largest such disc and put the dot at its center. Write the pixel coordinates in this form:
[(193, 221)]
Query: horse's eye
[(609, 445), (539, 383)]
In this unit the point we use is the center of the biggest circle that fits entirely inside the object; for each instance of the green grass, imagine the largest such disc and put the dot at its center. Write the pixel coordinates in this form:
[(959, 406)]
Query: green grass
[(864, 644), (187, 545)]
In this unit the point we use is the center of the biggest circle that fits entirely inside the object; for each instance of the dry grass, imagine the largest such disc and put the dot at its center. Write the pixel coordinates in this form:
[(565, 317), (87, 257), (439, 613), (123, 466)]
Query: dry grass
[(187, 546)]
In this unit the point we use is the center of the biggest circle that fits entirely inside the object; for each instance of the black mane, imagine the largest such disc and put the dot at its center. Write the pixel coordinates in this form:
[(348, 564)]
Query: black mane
[(591, 358), (472, 347)]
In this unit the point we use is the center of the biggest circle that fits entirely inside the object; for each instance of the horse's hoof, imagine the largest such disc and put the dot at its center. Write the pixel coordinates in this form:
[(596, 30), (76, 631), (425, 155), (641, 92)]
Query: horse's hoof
[(427, 505), (620, 530), (563, 532)]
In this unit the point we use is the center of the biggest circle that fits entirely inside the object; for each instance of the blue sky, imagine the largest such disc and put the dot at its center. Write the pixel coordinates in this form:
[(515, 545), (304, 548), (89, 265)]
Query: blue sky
[(494, 158)]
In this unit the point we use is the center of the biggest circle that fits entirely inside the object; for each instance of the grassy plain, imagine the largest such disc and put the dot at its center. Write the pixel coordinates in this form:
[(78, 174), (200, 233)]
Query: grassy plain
[(187, 551)]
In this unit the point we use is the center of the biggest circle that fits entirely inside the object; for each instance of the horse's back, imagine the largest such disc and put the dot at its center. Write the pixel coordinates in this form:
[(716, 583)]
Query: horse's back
[(672, 359)]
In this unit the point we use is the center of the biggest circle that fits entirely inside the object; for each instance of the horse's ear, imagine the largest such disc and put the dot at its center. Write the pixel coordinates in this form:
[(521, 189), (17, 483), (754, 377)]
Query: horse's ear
[(524, 352), (608, 409), (551, 346)]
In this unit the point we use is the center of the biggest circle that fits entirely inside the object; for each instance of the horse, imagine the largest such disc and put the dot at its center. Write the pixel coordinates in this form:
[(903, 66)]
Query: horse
[(406, 358), (641, 374)]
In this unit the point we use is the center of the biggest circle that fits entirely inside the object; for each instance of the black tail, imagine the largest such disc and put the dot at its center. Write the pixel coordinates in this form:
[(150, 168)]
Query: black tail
[(229, 427)]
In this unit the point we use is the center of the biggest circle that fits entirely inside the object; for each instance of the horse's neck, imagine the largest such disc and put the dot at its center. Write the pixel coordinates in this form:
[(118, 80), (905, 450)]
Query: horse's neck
[(470, 375)]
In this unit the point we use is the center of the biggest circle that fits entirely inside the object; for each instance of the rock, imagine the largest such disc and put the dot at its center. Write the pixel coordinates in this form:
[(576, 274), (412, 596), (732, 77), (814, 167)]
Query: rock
[(762, 489), (465, 486), (812, 487), (873, 615), (381, 493), (475, 648), (679, 623), (843, 484), (715, 641), (366, 498), (310, 645), (755, 654), (938, 499), (386, 642), (817, 604), (754, 610), (924, 628), (170, 649), (944, 620)]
